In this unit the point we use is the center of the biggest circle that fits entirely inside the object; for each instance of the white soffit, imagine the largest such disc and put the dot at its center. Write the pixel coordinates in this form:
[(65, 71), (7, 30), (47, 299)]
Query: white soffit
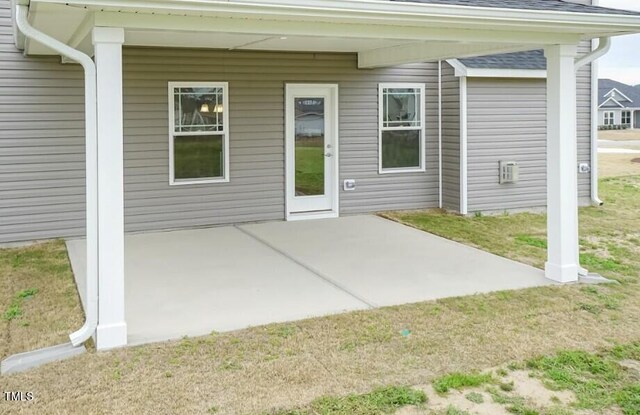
[(48, 18), (216, 40), (315, 25)]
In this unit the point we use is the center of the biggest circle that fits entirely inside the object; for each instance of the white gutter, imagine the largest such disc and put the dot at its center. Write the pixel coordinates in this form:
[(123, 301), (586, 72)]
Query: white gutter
[(603, 47), (91, 306), (625, 23), (601, 50)]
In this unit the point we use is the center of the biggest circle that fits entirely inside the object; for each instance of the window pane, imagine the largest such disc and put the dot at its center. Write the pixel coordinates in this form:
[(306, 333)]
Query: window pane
[(198, 157), (401, 149), (309, 147), (199, 109), (401, 107)]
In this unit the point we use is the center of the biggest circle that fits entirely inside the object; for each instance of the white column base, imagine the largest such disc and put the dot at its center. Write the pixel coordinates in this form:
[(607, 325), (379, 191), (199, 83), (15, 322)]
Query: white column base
[(562, 273), (111, 336)]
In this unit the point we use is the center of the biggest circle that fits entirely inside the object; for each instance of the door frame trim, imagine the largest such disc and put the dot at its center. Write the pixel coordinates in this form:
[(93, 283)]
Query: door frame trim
[(288, 156)]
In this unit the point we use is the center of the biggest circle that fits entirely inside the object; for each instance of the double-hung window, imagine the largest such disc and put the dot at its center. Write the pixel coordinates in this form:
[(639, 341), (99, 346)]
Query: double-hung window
[(401, 128), (626, 118), (608, 118), (198, 132)]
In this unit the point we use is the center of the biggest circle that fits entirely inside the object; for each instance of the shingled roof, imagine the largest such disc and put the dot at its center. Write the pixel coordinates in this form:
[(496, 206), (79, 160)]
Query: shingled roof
[(607, 85), (533, 59), (546, 5)]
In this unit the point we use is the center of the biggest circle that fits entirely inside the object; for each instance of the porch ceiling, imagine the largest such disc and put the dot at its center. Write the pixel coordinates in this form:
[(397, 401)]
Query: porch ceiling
[(382, 32)]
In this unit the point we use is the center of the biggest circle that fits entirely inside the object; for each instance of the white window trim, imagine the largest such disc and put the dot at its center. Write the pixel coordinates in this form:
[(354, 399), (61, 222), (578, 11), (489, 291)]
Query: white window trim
[(421, 128), (609, 115), (224, 133)]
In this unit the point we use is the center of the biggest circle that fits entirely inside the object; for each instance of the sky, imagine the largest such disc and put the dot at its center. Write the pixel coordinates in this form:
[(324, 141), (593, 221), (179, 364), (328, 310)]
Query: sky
[(622, 63)]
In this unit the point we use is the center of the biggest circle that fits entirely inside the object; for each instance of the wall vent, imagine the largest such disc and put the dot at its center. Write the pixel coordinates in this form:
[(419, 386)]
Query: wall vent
[(509, 172)]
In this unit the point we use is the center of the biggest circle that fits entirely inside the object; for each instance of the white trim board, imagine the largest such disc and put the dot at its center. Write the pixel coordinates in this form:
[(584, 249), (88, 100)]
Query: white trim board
[(611, 99), (463, 147), (614, 90), (462, 70)]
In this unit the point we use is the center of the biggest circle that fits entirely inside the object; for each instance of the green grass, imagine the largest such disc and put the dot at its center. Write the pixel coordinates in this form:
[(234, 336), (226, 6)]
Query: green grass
[(609, 234), (532, 241), (461, 380), (15, 308), (381, 401), (39, 303), (452, 410), (514, 404), (597, 379), (475, 397)]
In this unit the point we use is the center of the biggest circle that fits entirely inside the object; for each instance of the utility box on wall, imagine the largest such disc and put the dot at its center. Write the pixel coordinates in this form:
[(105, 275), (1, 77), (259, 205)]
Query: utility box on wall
[(509, 172)]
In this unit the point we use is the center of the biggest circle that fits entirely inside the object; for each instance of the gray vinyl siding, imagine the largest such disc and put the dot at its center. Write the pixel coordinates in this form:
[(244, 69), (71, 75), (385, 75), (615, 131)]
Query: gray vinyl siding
[(256, 190), (41, 143), (42, 185), (507, 121), (450, 138)]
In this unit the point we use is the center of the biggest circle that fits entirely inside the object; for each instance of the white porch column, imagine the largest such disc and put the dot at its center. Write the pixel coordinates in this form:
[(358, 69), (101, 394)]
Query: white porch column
[(562, 165), (112, 328)]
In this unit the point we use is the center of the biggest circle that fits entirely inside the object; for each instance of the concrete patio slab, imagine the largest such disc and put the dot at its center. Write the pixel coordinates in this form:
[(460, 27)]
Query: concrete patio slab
[(386, 263), (192, 282)]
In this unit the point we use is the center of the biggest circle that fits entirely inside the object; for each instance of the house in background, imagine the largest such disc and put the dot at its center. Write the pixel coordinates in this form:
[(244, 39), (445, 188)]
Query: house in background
[(618, 105), (210, 116)]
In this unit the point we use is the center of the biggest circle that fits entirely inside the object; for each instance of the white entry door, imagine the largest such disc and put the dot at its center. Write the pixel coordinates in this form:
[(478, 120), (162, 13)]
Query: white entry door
[(311, 151)]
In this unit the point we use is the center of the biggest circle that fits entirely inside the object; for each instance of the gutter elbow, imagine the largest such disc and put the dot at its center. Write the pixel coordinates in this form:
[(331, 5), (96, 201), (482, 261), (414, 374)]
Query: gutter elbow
[(602, 49)]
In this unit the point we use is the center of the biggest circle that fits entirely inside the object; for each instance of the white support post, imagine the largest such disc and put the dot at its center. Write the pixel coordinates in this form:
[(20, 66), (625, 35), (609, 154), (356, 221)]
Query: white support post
[(112, 328), (562, 165)]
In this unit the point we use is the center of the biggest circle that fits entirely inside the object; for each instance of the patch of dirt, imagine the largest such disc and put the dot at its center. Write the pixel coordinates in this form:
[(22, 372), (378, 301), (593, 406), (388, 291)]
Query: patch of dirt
[(458, 400), (631, 366), (525, 386), (614, 410), (534, 391), (636, 160)]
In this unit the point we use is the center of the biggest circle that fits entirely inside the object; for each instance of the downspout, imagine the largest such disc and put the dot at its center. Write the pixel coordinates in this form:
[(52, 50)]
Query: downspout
[(603, 47), (91, 306), (440, 202)]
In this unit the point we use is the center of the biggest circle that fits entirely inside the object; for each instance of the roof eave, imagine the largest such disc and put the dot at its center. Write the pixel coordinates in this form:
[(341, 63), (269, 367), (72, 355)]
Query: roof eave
[(596, 24)]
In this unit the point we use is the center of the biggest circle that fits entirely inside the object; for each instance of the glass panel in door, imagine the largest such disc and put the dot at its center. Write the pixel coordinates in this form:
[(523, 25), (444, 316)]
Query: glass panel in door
[(309, 146)]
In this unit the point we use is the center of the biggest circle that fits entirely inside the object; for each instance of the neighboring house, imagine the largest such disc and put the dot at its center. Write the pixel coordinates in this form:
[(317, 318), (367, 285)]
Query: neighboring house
[(206, 113), (618, 105)]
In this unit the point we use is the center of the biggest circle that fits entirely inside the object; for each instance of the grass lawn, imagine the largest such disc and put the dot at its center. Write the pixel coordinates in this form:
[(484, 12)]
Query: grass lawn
[(363, 362), (619, 135), (616, 165)]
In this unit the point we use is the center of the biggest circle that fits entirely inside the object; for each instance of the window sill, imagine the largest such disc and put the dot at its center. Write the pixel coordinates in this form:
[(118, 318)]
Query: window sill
[(198, 181), (402, 170)]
